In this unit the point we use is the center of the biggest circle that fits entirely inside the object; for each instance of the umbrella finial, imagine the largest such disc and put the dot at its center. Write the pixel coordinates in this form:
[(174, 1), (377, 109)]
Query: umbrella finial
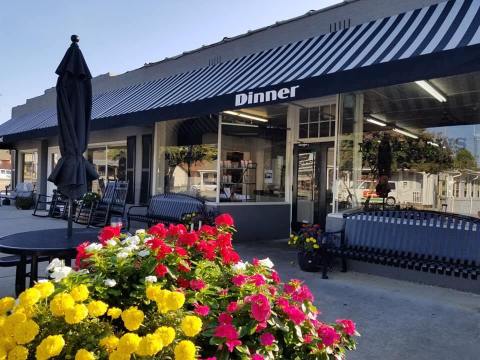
[(75, 38)]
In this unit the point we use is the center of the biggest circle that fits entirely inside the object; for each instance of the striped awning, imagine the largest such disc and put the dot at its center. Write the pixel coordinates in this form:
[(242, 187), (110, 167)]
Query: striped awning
[(435, 41)]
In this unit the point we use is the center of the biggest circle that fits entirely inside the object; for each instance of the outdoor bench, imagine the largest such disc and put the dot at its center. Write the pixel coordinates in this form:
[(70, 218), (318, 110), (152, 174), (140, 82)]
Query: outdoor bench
[(428, 241), (167, 208)]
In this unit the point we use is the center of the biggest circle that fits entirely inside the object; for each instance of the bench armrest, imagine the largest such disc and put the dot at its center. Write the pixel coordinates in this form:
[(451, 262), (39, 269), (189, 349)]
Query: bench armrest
[(134, 210)]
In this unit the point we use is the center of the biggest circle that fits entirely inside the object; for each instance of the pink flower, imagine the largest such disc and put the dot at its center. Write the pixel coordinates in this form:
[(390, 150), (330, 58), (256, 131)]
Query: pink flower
[(267, 339), (348, 326), (226, 331), (275, 277), (197, 284), (260, 327), (225, 318), (257, 357), (255, 261), (294, 314), (302, 294), (201, 310), (307, 338), (224, 220), (328, 335), (232, 306), (231, 344), (239, 280), (260, 309), (257, 279)]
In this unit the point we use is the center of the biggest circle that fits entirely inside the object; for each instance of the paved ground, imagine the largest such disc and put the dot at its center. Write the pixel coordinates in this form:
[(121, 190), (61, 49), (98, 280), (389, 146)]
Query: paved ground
[(398, 320)]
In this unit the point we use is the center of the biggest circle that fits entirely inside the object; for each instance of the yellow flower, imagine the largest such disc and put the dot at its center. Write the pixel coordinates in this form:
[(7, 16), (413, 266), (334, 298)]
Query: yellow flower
[(114, 312), (132, 318), (110, 343), (152, 292), (162, 300), (60, 303), (50, 346), (6, 304), (149, 345), (191, 325), (83, 354), (128, 343), (11, 321), (166, 334), (29, 297), (28, 311), (97, 308), (18, 353), (3, 354), (7, 343), (76, 314), (185, 350), (175, 300), (25, 332), (118, 355), (316, 246), (80, 293), (46, 289)]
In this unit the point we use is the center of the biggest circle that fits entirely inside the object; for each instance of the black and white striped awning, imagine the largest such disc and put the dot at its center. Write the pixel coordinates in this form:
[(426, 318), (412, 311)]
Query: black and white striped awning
[(435, 41)]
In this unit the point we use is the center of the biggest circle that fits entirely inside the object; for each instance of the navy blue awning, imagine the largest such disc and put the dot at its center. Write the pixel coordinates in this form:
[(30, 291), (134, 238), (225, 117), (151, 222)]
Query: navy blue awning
[(435, 41)]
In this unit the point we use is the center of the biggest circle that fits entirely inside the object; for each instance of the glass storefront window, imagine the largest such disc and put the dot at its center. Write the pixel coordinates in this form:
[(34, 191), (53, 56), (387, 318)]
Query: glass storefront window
[(29, 164), (317, 122), (187, 157), (253, 155), (402, 146), (110, 162)]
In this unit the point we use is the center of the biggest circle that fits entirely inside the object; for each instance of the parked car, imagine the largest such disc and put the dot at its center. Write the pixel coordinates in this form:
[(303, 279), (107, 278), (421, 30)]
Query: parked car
[(367, 188)]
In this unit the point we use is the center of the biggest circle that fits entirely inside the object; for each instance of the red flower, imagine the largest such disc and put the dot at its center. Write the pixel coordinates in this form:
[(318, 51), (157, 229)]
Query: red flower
[(232, 306), (229, 256), (207, 249), (255, 261), (348, 326), (328, 335), (307, 338), (176, 230), (207, 230), (201, 310), (181, 251), (188, 239), (224, 220), (275, 277), (158, 230), (184, 267), (108, 232), (239, 280), (267, 339), (224, 240), (81, 253), (225, 318), (227, 331), (260, 327), (183, 283), (231, 344), (261, 309), (257, 357), (257, 279), (197, 284), (161, 270)]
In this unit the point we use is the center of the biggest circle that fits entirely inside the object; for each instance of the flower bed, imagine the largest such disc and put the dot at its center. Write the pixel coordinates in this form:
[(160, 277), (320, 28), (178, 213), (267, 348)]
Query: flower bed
[(168, 293)]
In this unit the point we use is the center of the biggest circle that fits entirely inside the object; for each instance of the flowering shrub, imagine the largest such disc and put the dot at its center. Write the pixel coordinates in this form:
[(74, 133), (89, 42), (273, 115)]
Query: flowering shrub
[(168, 293), (307, 238)]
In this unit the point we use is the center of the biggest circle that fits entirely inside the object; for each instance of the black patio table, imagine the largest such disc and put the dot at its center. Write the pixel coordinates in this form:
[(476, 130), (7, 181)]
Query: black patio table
[(42, 243)]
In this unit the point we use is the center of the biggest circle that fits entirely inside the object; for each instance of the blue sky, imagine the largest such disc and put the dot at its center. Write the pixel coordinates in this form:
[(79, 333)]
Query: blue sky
[(118, 35)]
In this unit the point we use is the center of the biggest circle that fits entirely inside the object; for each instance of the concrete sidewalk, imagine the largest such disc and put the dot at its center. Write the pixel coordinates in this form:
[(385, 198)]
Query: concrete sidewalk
[(397, 319)]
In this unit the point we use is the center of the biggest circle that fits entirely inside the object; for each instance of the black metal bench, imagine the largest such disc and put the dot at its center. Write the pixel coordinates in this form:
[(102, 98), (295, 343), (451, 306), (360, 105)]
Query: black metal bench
[(428, 241), (167, 208)]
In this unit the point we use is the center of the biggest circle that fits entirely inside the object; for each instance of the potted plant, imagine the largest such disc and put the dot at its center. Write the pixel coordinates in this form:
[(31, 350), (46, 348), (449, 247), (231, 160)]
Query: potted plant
[(90, 198), (307, 241)]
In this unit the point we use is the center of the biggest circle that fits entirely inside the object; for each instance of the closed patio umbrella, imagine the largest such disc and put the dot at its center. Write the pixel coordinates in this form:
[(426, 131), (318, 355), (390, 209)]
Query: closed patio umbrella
[(74, 106)]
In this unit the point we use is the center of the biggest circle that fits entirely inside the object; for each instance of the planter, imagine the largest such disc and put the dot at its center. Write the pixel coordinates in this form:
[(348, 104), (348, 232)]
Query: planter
[(24, 203), (308, 261)]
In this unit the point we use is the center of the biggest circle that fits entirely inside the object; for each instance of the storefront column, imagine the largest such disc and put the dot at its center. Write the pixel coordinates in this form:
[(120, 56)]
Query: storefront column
[(42, 167)]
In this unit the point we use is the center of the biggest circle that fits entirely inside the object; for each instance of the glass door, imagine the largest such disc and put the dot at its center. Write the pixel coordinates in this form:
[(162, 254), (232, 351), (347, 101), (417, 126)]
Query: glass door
[(313, 182)]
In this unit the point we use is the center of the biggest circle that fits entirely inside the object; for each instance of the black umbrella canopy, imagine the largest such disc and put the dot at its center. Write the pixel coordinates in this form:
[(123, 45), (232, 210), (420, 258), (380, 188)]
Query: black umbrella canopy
[(74, 107)]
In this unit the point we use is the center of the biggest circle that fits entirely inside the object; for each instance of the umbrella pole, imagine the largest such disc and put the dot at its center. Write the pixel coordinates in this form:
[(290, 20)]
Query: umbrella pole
[(69, 228)]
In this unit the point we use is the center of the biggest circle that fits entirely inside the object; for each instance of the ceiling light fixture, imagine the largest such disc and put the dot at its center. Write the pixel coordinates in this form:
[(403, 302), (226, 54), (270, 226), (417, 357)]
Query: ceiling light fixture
[(425, 85), (433, 143), (376, 122), (240, 125), (246, 116), (406, 133)]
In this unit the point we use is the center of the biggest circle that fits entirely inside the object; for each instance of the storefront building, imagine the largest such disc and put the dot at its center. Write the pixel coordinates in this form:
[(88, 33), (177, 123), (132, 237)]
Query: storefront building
[(284, 125)]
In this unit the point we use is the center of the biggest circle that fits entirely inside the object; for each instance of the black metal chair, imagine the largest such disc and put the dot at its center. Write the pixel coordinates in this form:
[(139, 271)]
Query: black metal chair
[(54, 205), (112, 202)]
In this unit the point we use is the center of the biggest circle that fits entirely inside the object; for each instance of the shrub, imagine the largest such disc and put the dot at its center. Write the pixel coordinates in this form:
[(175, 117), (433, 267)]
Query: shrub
[(168, 293)]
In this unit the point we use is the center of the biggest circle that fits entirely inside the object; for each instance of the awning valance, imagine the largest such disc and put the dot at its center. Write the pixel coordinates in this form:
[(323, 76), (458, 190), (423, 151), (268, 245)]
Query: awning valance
[(439, 40)]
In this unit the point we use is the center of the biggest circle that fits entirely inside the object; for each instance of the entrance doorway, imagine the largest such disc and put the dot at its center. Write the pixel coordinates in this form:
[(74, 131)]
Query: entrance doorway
[(313, 183)]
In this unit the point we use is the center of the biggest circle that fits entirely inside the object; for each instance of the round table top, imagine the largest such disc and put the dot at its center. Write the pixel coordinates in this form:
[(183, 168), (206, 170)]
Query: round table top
[(45, 242)]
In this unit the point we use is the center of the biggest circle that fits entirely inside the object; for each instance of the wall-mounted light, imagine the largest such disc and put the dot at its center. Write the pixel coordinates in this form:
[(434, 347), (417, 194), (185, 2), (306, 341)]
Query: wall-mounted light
[(425, 85), (406, 133), (433, 143), (246, 116), (376, 122)]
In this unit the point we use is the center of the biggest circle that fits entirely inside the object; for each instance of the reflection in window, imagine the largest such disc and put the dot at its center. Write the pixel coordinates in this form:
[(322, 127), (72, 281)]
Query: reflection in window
[(253, 155), (433, 147), (317, 122), (110, 163), (187, 157), (29, 171)]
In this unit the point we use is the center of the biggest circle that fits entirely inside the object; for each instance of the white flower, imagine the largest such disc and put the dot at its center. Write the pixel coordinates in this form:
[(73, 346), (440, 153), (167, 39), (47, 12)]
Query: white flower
[(132, 240), (123, 254), (41, 281), (130, 248), (54, 263), (60, 272), (140, 231), (144, 253), (151, 279), (240, 266), (266, 262), (110, 282), (93, 247), (111, 242)]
